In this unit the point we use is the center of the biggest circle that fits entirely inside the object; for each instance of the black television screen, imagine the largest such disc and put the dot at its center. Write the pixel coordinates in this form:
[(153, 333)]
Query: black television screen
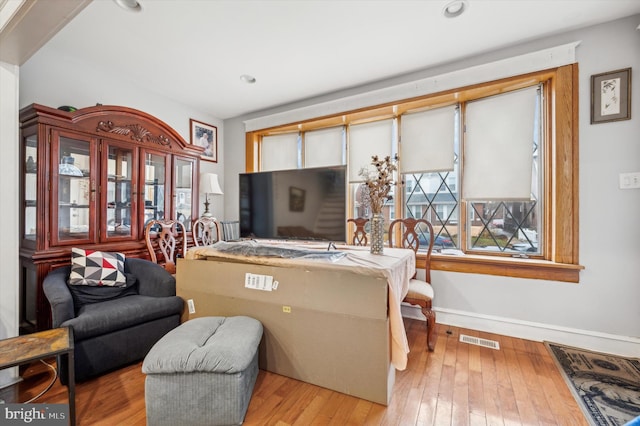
[(300, 204)]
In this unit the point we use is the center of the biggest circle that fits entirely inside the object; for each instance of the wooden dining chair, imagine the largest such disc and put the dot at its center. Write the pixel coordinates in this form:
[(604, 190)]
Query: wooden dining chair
[(167, 238), (406, 233), (360, 233), (206, 231)]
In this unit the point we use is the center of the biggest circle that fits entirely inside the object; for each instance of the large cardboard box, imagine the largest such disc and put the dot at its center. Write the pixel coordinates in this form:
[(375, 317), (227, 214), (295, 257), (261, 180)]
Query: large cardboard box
[(322, 326)]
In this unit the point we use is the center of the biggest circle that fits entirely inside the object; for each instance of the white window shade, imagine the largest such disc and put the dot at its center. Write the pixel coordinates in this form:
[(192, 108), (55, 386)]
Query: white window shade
[(365, 141), (324, 147), (498, 148), (279, 152), (426, 140)]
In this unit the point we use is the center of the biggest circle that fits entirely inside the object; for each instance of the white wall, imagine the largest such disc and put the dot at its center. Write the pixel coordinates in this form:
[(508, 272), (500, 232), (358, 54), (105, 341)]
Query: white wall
[(50, 79), (8, 216), (603, 310)]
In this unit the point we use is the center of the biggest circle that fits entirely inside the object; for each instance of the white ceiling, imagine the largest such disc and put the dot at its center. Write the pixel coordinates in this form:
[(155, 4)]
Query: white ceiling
[(194, 51)]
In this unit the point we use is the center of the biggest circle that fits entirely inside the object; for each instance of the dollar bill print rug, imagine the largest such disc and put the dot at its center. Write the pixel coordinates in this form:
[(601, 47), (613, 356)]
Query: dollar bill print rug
[(607, 387)]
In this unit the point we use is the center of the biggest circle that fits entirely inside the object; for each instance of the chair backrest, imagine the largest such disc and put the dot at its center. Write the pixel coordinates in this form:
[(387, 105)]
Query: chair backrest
[(360, 233), (230, 230), (169, 238), (206, 231), (408, 233)]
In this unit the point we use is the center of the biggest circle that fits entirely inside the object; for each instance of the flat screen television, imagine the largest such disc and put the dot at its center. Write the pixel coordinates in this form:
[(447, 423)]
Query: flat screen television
[(299, 204)]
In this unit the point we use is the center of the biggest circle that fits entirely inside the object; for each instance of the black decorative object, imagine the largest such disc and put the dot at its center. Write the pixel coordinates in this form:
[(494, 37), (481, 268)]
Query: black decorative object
[(67, 108)]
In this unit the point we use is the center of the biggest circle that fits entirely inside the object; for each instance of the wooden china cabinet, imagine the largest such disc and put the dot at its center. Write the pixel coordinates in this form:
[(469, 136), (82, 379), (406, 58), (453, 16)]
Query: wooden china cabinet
[(91, 178)]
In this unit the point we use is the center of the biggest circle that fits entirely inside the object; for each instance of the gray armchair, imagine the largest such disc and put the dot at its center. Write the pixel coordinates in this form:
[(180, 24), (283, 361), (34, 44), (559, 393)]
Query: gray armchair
[(113, 327)]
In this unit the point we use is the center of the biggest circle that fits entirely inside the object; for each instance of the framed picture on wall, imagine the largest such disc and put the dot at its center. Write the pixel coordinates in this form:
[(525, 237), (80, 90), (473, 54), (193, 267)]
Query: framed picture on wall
[(206, 136), (296, 199), (611, 96)]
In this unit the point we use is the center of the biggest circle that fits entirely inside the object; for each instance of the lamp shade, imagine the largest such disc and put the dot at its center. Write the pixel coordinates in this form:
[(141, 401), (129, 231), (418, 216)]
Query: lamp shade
[(209, 184)]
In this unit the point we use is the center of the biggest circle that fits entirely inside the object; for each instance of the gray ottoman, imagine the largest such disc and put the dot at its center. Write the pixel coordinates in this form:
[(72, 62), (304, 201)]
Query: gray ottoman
[(203, 372)]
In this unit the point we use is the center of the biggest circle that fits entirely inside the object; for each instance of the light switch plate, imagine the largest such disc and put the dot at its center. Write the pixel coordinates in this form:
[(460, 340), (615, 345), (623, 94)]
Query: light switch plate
[(630, 180)]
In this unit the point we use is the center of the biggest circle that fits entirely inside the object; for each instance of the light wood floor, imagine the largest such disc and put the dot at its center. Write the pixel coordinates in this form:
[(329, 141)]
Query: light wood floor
[(457, 384)]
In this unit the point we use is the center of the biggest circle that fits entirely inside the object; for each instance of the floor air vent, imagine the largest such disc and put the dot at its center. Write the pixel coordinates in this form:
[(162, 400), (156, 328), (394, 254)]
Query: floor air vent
[(479, 342)]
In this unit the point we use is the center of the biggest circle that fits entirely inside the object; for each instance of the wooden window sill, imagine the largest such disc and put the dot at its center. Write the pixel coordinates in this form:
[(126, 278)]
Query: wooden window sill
[(505, 266)]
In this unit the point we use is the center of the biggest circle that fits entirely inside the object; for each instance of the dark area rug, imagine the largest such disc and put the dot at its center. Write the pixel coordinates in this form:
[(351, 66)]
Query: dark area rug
[(607, 387)]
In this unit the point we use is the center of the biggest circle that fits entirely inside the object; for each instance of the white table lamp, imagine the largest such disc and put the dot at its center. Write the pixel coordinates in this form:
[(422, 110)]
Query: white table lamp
[(209, 185)]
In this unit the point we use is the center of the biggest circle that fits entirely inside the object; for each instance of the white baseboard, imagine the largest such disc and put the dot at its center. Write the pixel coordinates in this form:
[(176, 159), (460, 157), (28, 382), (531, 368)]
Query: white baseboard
[(592, 340)]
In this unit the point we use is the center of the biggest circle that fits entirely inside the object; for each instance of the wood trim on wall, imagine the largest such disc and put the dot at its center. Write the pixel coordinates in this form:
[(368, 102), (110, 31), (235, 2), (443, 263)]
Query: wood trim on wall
[(565, 150)]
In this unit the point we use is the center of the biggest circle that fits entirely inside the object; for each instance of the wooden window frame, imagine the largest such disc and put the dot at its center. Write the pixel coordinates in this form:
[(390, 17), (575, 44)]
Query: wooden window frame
[(560, 260)]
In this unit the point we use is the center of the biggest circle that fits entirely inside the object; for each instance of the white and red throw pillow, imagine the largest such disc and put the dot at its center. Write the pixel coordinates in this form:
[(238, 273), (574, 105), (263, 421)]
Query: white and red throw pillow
[(97, 268)]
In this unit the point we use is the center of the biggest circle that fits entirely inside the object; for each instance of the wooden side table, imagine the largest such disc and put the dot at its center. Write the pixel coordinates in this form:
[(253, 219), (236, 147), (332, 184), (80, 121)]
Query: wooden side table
[(37, 346)]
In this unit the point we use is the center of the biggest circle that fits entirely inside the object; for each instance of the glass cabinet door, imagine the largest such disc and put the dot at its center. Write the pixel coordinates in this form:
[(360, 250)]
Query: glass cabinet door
[(155, 180), (74, 189), (118, 191), (29, 190), (183, 193)]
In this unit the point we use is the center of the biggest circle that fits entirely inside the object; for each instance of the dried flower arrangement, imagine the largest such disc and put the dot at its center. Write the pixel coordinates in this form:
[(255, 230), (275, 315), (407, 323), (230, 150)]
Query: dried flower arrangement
[(378, 183)]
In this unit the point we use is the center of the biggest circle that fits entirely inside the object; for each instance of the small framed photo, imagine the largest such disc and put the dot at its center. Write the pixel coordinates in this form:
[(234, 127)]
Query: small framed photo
[(206, 136), (611, 96)]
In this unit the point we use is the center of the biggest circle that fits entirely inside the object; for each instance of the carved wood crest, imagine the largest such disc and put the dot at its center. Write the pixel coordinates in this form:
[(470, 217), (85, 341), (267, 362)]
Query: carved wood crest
[(135, 131)]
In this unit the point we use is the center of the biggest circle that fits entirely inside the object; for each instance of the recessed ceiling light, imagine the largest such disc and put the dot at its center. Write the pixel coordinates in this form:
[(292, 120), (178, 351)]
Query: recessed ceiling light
[(455, 8), (249, 79), (130, 5)]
